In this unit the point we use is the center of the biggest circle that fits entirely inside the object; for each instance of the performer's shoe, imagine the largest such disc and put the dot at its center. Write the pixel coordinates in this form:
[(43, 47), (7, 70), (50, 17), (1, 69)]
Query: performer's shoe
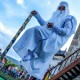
[(26, 58)]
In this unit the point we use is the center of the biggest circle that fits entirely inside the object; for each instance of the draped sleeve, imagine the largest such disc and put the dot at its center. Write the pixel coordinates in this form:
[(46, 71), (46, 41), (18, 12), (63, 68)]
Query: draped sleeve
[(68, 26), (39, 19)]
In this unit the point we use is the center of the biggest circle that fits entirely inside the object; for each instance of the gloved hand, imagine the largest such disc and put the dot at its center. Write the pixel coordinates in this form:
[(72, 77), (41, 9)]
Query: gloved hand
[(34, 12), (50, 25)]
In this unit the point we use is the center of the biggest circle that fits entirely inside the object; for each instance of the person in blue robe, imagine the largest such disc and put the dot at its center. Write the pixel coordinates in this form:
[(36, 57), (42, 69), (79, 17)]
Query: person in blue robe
[(39, 44)]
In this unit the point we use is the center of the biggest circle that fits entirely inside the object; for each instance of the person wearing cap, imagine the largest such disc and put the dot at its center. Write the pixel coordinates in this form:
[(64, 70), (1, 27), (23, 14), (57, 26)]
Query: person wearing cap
[(39, 44)]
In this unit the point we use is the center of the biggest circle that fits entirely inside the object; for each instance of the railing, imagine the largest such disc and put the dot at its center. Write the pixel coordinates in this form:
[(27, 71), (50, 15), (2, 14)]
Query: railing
[(66, 62)]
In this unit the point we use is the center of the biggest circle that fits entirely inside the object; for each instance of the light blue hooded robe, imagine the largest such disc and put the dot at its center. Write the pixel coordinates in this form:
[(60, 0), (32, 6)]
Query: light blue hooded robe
[(38, 45)]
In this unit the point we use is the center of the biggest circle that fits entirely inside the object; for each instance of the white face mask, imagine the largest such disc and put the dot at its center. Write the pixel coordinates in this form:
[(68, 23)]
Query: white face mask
[(59, 16)]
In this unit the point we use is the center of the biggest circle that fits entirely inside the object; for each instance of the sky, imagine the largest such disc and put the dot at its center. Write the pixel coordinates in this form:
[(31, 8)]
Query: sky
[(14, 12)]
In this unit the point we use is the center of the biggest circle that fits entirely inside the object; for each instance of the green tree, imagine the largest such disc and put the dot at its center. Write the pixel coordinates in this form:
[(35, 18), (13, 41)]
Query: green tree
[(10, 63)]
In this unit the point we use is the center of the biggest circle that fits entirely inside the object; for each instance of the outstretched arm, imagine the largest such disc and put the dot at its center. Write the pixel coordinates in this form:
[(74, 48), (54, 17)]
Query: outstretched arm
[(38, 17), (68, 26)]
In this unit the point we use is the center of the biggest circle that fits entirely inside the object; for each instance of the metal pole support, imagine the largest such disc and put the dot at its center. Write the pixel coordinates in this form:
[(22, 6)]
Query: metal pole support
[(16, 36)]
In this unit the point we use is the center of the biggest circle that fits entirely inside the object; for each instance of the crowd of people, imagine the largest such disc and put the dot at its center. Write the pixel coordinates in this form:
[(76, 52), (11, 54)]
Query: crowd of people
[(11, 70)]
